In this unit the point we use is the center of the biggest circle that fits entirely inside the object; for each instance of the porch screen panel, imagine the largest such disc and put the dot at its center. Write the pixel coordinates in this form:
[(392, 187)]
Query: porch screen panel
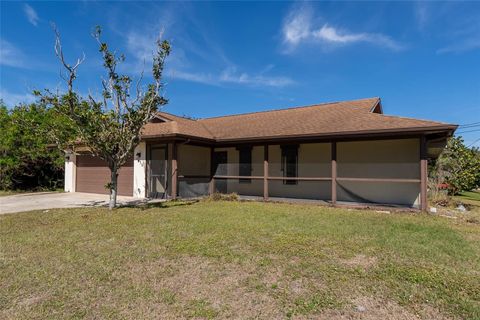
[(193, 160), (379, 193), (158, 177), (193, 171), (313, 161), (193, 187), (290, 163), (394, 163), (234, 165), (395, 159), (245, 165), (307, 190), (254, 188)]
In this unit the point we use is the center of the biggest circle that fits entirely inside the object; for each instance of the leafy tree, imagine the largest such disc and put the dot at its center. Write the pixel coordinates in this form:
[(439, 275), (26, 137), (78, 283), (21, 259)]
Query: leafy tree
[(458, 166), (111, 126), (29, 159)]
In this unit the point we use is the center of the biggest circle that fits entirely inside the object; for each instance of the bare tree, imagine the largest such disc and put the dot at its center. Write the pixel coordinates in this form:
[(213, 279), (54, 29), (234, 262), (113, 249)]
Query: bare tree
[(110, 126)]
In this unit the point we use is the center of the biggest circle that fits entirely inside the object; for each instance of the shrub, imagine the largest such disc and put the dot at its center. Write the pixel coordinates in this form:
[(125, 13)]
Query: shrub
[(29, 158), (458, 167), (223, 197)]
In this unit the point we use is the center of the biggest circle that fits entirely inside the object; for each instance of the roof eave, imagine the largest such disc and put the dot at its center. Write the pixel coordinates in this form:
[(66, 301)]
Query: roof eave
[(447, 129), (176, 136)]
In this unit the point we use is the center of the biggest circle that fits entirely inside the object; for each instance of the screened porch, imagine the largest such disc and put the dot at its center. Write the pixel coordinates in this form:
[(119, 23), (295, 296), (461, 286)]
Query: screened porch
[(370, 172)]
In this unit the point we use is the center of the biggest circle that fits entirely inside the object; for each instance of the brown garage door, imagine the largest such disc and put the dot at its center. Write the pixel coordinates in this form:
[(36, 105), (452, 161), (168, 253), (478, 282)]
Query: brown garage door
[(93, 174)]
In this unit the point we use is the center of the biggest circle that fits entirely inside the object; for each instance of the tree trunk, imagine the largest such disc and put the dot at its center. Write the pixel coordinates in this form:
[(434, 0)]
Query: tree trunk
[(113, 189)]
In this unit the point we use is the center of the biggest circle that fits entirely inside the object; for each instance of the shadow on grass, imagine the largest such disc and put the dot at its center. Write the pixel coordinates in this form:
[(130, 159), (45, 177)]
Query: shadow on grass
[(94, 203), (141, 204), (145, 205)]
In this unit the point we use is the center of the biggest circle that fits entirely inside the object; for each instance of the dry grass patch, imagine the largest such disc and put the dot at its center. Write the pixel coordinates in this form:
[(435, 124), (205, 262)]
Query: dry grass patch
[(197, 286), (237, 260), (360, 261), (369, 308)]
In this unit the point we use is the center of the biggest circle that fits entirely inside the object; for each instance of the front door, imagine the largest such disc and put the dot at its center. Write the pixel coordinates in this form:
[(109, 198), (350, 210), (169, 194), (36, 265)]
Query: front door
[(220, 169), (157, 173)]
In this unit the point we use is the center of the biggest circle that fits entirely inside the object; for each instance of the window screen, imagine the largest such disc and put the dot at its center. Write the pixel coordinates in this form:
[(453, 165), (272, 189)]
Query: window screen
[(290, 163), (245, 164)]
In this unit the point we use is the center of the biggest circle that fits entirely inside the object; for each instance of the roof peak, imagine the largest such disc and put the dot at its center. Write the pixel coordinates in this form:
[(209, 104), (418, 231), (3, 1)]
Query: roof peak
[(171, 117)]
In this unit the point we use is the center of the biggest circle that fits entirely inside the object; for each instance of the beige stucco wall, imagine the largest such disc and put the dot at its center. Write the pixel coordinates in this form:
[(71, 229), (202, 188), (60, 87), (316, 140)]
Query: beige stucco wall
[(379, 159)]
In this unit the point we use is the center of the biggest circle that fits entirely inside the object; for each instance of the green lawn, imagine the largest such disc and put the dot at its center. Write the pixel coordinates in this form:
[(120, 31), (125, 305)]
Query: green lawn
[(237, 260), (470, 196), (4, 193), (471, 199)]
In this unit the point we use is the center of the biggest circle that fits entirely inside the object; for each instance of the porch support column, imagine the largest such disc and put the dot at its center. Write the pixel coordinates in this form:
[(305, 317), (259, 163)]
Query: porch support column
[(211, 186), (174, 171), (334, 172), (265, 172), (423, 173)]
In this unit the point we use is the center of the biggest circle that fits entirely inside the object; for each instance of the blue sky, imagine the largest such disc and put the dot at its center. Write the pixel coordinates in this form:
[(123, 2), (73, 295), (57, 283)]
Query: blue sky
[(421, 58)]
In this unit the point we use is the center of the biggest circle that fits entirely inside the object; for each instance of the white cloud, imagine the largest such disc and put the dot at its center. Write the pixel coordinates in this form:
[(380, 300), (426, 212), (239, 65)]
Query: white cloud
[(461, 46), (142, 46), (13, 99), (10, 55), (297, 28), (194, 52), (332, 35), (31, 14), (193, 77), (230, 75)]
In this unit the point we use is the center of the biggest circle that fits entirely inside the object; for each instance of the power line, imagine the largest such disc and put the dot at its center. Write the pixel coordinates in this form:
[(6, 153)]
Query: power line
[(469, 124), (468, 131), (475, 141)]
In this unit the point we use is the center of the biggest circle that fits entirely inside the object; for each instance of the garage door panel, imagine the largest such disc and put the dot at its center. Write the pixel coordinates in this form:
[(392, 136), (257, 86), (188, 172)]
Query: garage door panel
[(93, 174)]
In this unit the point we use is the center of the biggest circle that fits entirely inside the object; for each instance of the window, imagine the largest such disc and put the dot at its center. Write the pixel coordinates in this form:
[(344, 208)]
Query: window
[(245, 164), (290, 163)]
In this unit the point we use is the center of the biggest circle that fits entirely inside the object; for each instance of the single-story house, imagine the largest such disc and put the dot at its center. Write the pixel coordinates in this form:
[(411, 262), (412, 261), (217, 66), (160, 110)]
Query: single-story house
[(345, 152)]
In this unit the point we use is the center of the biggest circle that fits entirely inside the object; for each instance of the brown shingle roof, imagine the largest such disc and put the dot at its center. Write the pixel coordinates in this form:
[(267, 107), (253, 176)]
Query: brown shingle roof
[(175, 125), (336, 118)]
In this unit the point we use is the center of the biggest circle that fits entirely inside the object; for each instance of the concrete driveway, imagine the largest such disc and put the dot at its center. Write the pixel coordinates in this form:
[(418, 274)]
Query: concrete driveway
[(49, 200)]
